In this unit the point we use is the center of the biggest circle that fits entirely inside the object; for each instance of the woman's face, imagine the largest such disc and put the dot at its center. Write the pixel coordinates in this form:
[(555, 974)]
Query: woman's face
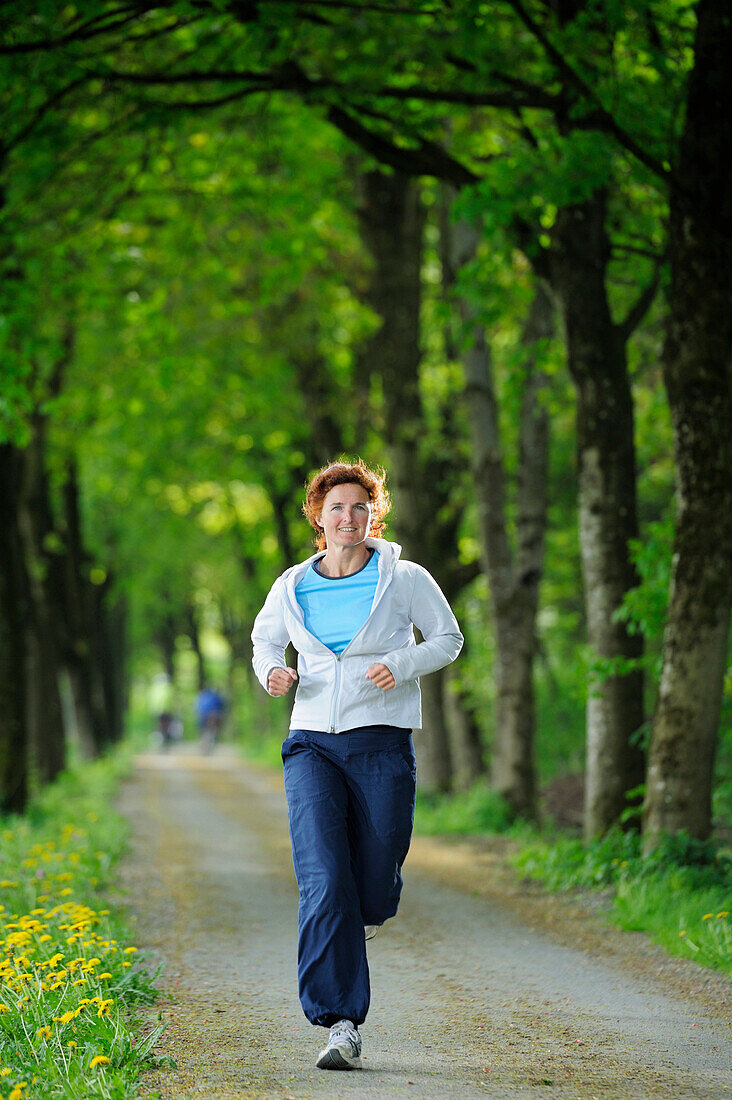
[(346, 515)]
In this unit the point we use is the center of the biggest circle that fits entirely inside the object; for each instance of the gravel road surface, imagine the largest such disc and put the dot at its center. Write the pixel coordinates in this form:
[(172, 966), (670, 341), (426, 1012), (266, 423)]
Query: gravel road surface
[(481, 986)]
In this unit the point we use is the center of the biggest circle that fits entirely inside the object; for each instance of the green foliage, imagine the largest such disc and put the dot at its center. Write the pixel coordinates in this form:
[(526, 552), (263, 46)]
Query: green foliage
[(644, 607), (475, 811)]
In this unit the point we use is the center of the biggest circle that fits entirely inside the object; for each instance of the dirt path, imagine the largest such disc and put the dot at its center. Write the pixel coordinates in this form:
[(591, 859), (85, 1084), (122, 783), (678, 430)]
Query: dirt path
[(481, 986)]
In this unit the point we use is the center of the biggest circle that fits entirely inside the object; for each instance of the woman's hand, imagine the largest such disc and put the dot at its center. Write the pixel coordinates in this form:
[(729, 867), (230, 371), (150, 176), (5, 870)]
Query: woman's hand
[(280, 680), (380, 675)]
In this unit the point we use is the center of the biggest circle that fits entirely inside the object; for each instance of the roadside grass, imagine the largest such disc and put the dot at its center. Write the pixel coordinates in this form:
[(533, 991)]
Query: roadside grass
[(476, 810), (680, 893), (72, 986)]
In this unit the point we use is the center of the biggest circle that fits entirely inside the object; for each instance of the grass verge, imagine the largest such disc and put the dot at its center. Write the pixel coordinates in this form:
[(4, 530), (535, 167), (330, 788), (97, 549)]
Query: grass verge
[(72, 985), (472, 812), (680, 893)]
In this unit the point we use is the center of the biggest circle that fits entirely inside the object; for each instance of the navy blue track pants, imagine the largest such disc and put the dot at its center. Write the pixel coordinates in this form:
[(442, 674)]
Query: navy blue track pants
[(350, 798)]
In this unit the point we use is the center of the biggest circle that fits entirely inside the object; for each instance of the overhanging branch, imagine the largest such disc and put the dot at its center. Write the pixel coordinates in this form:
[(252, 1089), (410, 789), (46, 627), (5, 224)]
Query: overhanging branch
[(427, 159)]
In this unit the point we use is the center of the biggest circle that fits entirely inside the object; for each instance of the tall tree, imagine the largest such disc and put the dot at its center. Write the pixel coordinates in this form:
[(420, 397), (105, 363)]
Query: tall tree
[(13, 622), (597, 360), (513, 574), (697, 358), (393, 218)]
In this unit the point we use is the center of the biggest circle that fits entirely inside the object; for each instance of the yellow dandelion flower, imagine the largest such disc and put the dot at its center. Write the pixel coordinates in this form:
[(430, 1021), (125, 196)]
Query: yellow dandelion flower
[(3, 1009), (5, 1071), (80, 981), (44, 939), (723, 914), (100, 1060), (72, 1044), (130, 950), (104, 1007), (67, 1017), (106, 974), (127, 964), (44, 1033), (707, 916), (682, 932), (17, 1092)]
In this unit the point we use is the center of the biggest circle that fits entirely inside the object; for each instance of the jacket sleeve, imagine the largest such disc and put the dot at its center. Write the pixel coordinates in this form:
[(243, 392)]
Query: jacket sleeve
[(269, 635), (432, 615)]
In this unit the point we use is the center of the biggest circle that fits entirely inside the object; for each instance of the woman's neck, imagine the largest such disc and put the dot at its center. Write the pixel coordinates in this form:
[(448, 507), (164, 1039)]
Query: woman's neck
[(340, 561)]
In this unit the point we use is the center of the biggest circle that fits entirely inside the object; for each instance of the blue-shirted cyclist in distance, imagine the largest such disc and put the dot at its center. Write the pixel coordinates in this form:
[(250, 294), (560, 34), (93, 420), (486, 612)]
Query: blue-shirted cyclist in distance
[(349, 767)]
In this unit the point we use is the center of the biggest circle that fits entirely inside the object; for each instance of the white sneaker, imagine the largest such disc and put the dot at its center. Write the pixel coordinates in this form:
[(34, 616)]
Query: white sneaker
[(370, 930), (344, 1048)]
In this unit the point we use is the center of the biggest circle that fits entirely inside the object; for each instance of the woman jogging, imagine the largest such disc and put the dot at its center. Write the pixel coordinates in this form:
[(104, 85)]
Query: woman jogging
[(349, 767)]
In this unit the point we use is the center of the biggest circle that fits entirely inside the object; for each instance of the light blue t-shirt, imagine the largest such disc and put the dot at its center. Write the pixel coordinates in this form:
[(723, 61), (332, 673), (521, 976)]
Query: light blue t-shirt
[(335, 608)]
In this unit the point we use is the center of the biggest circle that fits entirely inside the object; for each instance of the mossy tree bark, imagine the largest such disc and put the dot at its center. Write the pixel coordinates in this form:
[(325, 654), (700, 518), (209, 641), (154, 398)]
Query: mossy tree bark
[(14, 614), (607, 502), (82, 637), (697, 357), (513, 575), (392, 219), (43, 650)]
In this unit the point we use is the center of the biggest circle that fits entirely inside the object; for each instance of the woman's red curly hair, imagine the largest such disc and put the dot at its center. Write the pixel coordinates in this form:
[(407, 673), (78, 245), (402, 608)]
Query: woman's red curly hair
[(347, 473)]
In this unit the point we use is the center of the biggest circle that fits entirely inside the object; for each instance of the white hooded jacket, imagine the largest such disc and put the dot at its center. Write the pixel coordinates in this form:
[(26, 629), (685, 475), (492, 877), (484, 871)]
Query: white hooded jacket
[(333, 694)]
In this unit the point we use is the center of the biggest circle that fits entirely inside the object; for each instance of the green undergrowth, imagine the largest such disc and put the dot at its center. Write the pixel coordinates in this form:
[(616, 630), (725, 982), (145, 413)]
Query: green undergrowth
[(477, 810), (72, 983), (680, 893)]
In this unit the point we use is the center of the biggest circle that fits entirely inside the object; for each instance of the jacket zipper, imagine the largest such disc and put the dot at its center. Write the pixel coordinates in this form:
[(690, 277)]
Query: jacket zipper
[(336, 690), (338, 656)]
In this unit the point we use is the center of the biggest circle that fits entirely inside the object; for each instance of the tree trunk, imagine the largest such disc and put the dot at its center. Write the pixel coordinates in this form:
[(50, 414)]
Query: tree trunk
[(111, 630), (432, 742), (80, 656), (13, 622), (45, 713), (193, 633), (392, 223), (607, 503), (513, 577), (697, 356), (466, 746), (165, 636)]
